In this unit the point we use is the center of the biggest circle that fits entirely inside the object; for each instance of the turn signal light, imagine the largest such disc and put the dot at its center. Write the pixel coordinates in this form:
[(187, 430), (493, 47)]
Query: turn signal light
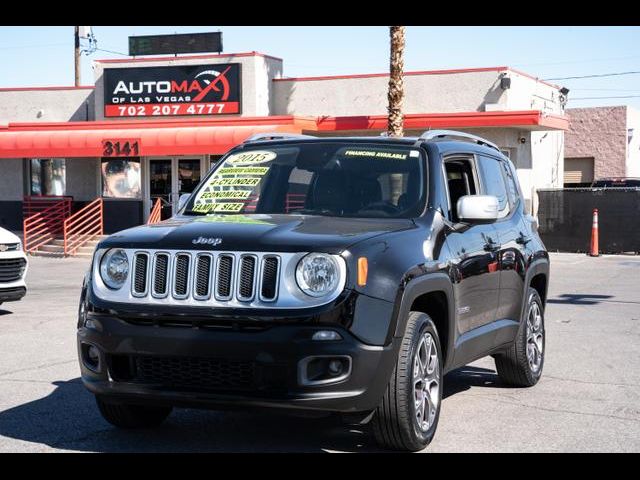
[(363, 270)]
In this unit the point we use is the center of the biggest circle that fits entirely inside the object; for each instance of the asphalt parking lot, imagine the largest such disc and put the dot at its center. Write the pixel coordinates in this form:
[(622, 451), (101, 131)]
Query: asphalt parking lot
[(587, 400)]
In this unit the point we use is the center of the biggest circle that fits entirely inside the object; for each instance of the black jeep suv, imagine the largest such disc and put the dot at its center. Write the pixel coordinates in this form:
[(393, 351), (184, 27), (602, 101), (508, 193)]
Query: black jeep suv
[(342, 275)]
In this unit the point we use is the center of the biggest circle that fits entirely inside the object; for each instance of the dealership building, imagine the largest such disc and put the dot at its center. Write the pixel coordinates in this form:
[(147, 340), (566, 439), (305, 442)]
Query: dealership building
[(151, 127)]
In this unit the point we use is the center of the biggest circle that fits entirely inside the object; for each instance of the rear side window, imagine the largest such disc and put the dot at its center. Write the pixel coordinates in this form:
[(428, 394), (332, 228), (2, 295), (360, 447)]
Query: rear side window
[(494, 184), (512, 189)]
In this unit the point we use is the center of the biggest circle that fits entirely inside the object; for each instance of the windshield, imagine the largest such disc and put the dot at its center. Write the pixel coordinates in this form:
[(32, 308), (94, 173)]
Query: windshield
[(332, 179)]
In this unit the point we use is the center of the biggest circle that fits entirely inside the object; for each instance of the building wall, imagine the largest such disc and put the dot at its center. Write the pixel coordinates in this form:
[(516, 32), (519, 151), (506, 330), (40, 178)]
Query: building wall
[(601, 133), (439, 92), (257, 71), (527, 93), (11, 193), (461, 92), (82, 178), (633, 144), (47, 105)]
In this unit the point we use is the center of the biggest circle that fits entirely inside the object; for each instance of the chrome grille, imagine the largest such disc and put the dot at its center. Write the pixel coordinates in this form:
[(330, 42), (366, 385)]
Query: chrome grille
[(161, 275), (247, 278), (233, 278), (11, 269), (270, 270), (140, 270), (181, 279), (224, 277), (202, 286)]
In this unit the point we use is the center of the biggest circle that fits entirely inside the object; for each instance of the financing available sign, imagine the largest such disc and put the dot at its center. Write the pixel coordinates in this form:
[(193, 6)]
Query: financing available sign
[(175, 90)]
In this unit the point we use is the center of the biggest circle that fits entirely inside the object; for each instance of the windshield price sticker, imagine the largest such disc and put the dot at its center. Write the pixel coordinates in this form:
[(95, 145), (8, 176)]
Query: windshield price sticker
[(230, 182), (375, 154), (254, 157), (218, 207), (227, 194), (243, 171)]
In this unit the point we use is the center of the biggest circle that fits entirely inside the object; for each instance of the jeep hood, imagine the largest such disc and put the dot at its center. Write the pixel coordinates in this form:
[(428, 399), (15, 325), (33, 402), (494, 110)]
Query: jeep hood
[(283, 233)]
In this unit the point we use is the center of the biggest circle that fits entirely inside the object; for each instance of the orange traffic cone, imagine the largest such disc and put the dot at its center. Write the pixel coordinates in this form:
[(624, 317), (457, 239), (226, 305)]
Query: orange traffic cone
[(593, 250)]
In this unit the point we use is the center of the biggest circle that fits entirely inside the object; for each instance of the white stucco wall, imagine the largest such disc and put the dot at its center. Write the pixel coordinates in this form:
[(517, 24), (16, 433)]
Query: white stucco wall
[(256, 73), (82, 178), (458, 92), (11, 179), (59, 105), (633, 146)]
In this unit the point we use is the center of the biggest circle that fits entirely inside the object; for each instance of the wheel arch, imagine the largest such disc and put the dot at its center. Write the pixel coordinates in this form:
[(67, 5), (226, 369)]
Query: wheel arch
[(431, 294)]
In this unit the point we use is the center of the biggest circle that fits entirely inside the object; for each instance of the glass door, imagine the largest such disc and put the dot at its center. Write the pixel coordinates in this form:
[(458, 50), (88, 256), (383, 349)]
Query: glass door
[(171, 177), (161, 185), (188, 176)]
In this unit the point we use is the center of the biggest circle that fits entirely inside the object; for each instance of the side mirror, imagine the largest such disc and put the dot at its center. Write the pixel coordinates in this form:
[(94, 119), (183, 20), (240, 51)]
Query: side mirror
[(182, 201), (477, 208)]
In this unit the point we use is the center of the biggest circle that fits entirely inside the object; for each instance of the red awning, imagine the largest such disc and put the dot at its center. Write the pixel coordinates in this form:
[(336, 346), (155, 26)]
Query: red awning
[(217, 136), (85, 139)]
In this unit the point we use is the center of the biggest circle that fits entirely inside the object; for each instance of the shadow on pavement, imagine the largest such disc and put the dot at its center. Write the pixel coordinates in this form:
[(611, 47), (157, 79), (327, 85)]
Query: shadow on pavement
[(579, 299), (5, 312), (68, 419)]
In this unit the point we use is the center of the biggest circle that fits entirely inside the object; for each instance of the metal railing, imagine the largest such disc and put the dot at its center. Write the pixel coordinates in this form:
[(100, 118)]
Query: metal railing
[(83, 226), (156, 212), (43, 220)]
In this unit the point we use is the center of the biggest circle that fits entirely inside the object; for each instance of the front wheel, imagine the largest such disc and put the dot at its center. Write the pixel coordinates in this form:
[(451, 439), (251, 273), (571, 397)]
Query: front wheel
[(132, 416), (521, 365), (407, 417)]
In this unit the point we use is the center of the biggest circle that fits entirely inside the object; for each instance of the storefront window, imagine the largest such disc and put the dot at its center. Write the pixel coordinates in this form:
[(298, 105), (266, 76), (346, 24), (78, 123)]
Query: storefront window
[(48, 176), (121, 178)]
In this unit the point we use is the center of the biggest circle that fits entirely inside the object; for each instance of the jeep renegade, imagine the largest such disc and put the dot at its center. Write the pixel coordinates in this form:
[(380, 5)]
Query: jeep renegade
[(343, 275)]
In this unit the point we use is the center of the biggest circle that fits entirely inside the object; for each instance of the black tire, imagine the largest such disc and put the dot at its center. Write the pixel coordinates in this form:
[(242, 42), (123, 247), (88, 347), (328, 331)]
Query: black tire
[(513, 366), (132, 416), (394, 422)]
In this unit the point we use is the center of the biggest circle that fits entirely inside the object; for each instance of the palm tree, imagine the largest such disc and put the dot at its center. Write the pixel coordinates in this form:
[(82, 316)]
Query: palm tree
[(395, 125), (396, 82)]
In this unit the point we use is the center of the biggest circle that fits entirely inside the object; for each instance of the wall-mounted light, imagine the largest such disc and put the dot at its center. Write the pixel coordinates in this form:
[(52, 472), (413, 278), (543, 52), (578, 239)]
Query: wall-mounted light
[(505, 83)]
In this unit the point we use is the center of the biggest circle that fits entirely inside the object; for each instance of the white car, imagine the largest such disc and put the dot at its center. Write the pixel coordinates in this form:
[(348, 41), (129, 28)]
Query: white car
[(13, 267)]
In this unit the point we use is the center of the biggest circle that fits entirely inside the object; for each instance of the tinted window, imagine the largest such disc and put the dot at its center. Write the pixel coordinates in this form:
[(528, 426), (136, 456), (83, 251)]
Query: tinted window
[(315, 178), (493, 181), (512, 189)]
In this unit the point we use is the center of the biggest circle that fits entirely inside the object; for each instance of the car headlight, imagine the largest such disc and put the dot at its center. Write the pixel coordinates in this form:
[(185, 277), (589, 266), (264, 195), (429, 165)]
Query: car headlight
[(317, 274), (114, 268)]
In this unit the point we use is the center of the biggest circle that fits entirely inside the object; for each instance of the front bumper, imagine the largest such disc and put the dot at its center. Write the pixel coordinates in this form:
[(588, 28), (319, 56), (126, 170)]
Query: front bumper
[(269, 357), (12, 294)]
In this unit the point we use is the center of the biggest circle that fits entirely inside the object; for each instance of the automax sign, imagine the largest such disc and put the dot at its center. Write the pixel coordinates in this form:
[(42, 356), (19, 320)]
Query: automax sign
[(176, 90)]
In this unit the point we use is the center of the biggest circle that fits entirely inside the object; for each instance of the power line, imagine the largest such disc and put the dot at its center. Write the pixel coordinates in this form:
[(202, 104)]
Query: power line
[(594, 76), (575, 61), (111, 51), (604, 98)]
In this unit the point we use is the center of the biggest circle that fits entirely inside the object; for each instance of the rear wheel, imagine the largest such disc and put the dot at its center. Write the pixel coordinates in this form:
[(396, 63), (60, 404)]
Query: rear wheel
[(132, 416), (521, 365), (407, 417)]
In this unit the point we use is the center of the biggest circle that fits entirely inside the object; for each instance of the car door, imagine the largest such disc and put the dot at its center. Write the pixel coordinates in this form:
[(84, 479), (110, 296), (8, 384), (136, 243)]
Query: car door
[(499, 181), (475, 251)]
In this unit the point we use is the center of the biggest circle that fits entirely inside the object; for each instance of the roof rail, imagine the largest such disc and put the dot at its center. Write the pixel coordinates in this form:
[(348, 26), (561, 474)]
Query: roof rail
[(437, 134), (274, 136)]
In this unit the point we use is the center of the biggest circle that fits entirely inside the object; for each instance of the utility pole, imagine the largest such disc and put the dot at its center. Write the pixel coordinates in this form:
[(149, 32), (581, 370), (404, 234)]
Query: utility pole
[(77, 55)]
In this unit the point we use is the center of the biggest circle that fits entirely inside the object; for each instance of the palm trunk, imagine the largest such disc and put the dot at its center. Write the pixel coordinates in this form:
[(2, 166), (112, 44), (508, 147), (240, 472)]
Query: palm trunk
[(395, 96)]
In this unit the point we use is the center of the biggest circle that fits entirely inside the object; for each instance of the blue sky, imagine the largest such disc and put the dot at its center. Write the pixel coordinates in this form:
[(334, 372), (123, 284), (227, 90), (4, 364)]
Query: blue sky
[(42, 56)]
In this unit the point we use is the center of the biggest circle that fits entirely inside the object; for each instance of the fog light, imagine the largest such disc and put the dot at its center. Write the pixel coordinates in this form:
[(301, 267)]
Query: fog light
[(326, 335), (324, 369), (335, 367), (91, 357), (94, 356)]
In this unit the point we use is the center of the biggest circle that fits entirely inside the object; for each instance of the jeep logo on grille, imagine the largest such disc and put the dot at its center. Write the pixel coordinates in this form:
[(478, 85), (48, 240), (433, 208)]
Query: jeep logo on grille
[(213, 241)]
